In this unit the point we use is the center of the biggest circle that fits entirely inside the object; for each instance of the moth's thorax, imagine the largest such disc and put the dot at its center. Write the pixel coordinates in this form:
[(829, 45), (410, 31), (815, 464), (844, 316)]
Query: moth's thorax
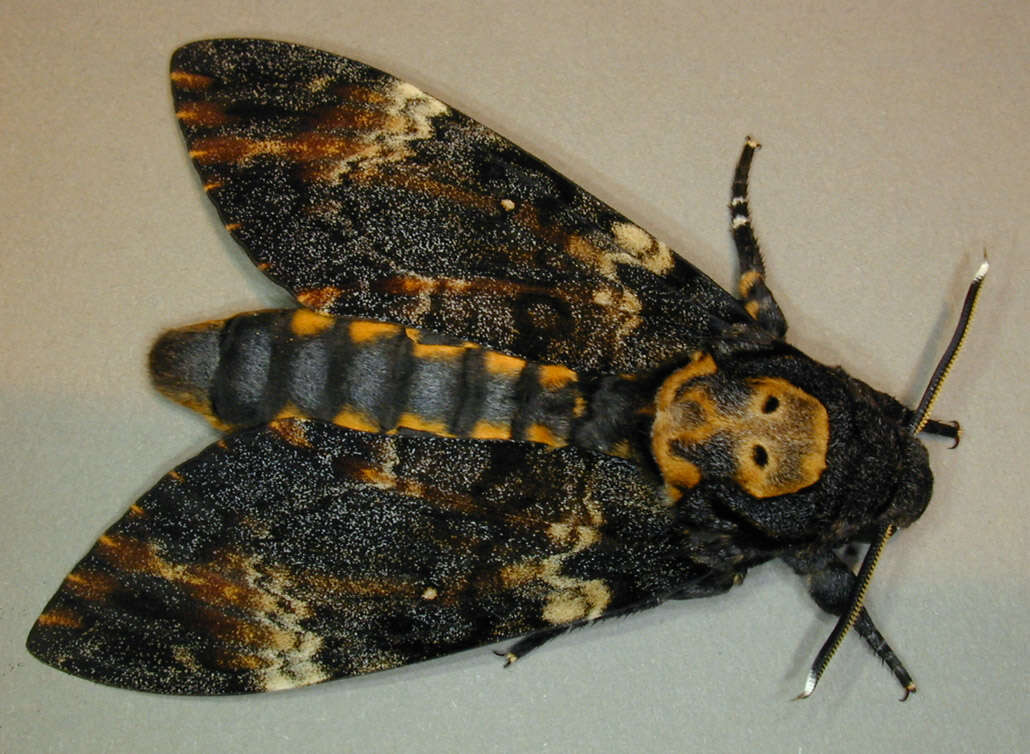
[(792, 455), (765, 434)]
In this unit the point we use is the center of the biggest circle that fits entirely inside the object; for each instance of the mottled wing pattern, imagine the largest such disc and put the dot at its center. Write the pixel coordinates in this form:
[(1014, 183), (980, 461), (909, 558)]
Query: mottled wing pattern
[(364, 196), (300, 552)]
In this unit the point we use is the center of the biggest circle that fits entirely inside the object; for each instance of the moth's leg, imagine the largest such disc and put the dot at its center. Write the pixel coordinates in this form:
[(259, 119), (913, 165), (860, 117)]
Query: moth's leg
[(951, 430), (831, 584), (714, 584), (527, 644), (706, 587), (753, 292)]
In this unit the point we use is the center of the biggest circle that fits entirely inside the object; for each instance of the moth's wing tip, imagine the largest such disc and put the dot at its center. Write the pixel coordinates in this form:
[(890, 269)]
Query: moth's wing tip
[(36, 644), (82, 654), (185, 52), (66, 648), (108, 644), (95, 649), (228, 45)]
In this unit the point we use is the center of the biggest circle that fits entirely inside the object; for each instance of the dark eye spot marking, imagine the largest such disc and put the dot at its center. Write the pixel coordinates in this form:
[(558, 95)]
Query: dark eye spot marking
[(679, 450), (771, 404), (760, 456)]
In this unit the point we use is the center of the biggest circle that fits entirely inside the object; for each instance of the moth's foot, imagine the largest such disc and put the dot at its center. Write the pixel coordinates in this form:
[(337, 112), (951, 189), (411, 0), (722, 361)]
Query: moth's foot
[(509, 657)]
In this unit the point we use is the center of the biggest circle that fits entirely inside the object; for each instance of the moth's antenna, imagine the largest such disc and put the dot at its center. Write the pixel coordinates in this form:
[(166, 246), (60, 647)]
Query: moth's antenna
[(919, 419), (847, 620), (958, 339)]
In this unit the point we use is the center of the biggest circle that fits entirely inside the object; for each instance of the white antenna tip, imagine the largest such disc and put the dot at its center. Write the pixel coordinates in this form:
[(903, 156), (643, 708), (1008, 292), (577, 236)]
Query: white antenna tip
[(810, 683)]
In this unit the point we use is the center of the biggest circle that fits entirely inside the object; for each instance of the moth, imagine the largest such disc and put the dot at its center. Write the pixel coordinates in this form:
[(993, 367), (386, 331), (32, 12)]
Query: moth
[(500, 410)]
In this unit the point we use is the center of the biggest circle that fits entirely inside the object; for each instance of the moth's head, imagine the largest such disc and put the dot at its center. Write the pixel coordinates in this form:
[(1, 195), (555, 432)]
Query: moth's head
[(799, 452)]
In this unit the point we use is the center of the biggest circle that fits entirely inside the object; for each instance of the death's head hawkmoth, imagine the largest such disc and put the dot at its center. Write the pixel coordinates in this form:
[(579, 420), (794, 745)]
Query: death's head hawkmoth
[(502, 410)]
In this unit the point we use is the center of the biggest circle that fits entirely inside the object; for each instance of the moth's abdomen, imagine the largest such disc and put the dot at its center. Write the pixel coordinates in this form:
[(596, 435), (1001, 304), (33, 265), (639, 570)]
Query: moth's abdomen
[(364, 375)]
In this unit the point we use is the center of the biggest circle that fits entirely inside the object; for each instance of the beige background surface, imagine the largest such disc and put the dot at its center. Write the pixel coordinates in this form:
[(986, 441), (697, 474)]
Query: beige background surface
[(895, 151)]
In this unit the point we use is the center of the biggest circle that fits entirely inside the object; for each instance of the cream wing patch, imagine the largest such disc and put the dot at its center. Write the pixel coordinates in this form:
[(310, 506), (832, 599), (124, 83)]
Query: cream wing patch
[(293, 663), (572, 599), (566, 599), (409, 114), (642, 248)]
